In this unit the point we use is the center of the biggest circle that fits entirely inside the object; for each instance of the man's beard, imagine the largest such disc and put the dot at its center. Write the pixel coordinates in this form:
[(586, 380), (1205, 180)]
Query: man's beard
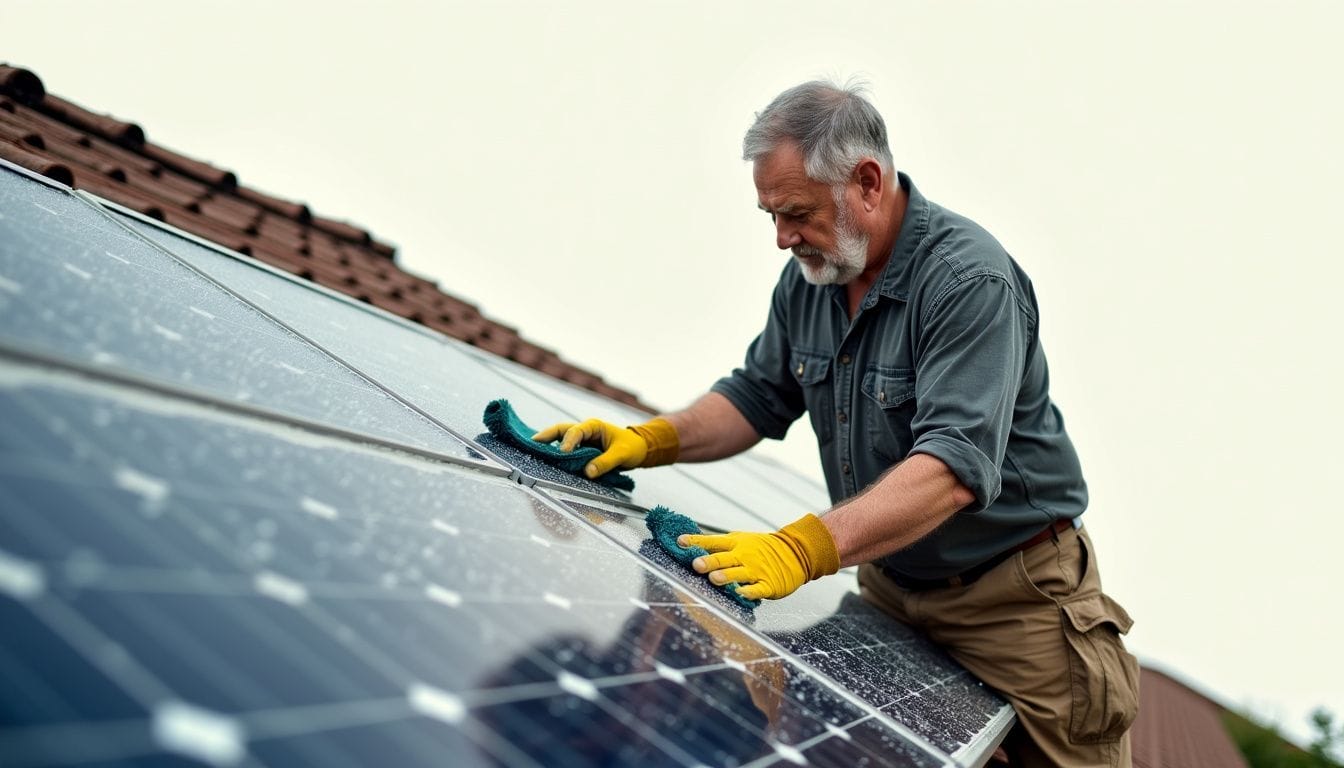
[(845, 264)]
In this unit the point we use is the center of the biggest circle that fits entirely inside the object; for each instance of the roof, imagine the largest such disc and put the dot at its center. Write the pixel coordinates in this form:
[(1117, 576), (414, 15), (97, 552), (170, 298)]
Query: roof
[(1179, 727), (113, 158)]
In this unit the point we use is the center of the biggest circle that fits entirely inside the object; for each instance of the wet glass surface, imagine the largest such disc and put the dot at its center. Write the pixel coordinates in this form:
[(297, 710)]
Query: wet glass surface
[(234, 590), (769, 504), (443, 380), (832, 629), (74, 283)]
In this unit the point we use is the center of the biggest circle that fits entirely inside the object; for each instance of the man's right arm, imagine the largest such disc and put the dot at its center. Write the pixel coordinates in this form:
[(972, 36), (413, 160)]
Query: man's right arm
[(712, 428)]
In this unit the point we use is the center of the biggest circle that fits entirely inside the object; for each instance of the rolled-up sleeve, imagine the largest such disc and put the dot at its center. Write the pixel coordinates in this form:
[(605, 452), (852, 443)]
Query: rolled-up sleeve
[(969, 362), (763, 389)]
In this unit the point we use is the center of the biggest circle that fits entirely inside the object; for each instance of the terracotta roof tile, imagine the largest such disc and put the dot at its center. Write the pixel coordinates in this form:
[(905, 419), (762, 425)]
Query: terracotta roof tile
[(297, 211), (1179, 728), (46, 166), (21, 84), (195, 169), (112, 158), (106, 126), (19, 134), (342, 230)]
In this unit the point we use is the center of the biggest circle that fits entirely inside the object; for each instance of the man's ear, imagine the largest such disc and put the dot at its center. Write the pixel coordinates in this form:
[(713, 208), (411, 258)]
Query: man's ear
[(872, 181)]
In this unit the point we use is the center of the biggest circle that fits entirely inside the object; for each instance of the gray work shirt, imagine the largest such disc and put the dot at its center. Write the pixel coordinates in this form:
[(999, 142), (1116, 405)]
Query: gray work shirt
[(944, 358)]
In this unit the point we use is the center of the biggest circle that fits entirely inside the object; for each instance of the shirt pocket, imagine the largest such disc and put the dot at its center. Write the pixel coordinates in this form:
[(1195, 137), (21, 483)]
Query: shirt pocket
[(889, 402), (813, 372)]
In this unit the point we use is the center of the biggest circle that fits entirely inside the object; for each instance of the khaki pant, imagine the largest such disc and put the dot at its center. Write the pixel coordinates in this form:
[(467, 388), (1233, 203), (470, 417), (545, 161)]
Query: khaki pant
[(1038, 629)]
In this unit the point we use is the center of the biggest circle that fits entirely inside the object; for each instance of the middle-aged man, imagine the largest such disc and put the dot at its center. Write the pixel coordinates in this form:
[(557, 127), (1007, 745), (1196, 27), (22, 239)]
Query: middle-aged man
[(912, 339)]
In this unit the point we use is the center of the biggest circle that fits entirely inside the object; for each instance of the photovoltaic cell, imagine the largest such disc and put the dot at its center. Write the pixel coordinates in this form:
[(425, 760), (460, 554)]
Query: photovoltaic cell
[(831, 628), (74, 283), (179, 580)]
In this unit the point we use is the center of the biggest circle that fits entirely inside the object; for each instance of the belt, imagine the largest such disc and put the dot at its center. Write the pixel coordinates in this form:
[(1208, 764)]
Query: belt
[(969, 575)]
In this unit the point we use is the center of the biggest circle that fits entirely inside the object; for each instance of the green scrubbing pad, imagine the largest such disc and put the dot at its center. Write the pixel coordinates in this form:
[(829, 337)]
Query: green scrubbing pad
[(505, 425), (666, 526)]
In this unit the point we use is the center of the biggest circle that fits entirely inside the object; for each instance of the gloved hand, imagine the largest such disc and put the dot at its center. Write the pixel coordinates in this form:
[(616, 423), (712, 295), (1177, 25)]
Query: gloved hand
[(767, 565), (651, 444)]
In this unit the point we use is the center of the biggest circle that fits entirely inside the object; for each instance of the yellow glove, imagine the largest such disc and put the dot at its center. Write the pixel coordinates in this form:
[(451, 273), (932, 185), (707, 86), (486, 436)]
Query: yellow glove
[(768, 565), (651, 444)]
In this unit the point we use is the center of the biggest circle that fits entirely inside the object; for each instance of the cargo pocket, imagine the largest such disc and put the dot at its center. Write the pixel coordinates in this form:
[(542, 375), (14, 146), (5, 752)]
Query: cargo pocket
[(891, 392), (1104, 677), (813, 374)]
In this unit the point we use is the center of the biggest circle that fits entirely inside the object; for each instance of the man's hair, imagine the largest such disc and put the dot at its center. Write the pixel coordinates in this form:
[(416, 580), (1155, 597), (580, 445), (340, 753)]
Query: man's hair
[(835, 127)]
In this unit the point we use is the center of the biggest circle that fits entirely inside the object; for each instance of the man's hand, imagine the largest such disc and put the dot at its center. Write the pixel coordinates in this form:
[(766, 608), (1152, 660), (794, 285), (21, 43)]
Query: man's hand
[(651, 444), (768, 565)]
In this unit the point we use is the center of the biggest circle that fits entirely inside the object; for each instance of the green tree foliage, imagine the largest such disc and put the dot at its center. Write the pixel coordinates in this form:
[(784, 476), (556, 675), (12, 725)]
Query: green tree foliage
[(1264, 747)]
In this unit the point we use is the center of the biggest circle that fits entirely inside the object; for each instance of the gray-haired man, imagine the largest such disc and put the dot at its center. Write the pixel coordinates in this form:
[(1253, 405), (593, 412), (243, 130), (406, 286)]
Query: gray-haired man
[(911, 339)]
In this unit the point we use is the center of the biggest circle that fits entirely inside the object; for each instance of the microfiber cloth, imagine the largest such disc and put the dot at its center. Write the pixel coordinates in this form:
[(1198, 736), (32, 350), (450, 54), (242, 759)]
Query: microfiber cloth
[(666, 526), (505, 425)]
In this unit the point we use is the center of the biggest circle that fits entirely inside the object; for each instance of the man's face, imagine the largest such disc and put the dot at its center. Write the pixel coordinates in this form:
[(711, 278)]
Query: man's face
[(808, 220)]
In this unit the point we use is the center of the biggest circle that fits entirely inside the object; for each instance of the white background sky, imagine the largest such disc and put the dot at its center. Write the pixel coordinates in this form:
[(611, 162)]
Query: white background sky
[(1168, 173)]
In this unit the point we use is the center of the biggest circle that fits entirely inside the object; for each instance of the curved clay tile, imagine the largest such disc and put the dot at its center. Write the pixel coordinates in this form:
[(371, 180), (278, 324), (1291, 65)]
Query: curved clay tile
[(120, 131), (24, 86)]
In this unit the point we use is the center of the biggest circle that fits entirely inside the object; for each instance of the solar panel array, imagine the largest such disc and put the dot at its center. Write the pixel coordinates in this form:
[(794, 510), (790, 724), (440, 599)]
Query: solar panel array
[(244, 521)]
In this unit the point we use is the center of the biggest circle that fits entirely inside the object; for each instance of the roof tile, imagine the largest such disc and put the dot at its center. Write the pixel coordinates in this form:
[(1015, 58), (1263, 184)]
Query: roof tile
[(1179, 728), (23, 85), (111, 158), (195, 169), (46, 166), (297, 211), (110, 128)]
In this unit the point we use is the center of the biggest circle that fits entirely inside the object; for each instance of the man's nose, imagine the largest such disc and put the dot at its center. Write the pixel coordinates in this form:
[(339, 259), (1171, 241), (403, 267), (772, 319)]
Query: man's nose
[(786, 235)]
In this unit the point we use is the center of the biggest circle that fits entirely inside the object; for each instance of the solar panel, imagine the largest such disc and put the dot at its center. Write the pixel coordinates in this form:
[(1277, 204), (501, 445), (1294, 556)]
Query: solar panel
[(237, 591), (433, 374), (882, 662), (204, 560), (75, 284)]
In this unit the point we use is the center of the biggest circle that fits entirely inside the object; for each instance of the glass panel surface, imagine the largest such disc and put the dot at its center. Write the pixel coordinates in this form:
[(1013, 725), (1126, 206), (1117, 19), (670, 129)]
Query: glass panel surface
[(440, 378), (769, 505), (75, 284), (831, 628), (178, 581)]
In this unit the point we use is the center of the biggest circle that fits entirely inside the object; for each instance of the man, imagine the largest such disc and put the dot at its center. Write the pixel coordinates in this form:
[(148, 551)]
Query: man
[(911, 338)]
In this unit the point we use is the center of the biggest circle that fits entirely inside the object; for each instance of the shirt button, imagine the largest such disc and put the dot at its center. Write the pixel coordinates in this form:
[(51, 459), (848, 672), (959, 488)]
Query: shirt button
[(844, 359), (881, 397), (844, 468), (842, 417), (800, 369)]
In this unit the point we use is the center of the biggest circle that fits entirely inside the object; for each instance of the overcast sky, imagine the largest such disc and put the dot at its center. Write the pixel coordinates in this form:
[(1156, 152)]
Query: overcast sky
[(1168, 174)]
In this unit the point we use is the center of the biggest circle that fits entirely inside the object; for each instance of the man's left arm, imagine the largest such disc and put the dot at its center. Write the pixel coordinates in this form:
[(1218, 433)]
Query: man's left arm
[(969, 363)]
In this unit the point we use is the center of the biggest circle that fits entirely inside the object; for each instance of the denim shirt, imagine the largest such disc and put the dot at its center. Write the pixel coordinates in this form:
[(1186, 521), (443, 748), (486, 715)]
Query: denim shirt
[(943, 358)]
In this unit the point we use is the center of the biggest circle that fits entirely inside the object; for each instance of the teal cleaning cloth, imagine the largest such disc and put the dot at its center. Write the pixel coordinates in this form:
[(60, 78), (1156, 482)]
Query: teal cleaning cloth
[(505, 425), (666, 526)]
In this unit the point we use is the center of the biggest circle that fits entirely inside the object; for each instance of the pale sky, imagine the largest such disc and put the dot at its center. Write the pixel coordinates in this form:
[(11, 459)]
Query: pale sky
[(1166, 173)]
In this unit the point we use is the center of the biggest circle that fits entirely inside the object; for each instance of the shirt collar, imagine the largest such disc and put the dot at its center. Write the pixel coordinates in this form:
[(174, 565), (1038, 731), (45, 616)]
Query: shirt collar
[(895, 280), (894, 283)]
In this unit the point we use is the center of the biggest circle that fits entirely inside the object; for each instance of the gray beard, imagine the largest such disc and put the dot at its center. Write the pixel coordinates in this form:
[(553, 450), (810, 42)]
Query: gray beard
[(838, 268)]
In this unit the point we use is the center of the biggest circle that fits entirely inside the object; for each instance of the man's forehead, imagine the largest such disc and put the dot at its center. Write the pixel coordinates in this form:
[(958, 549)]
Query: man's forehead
[(782, 181)]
